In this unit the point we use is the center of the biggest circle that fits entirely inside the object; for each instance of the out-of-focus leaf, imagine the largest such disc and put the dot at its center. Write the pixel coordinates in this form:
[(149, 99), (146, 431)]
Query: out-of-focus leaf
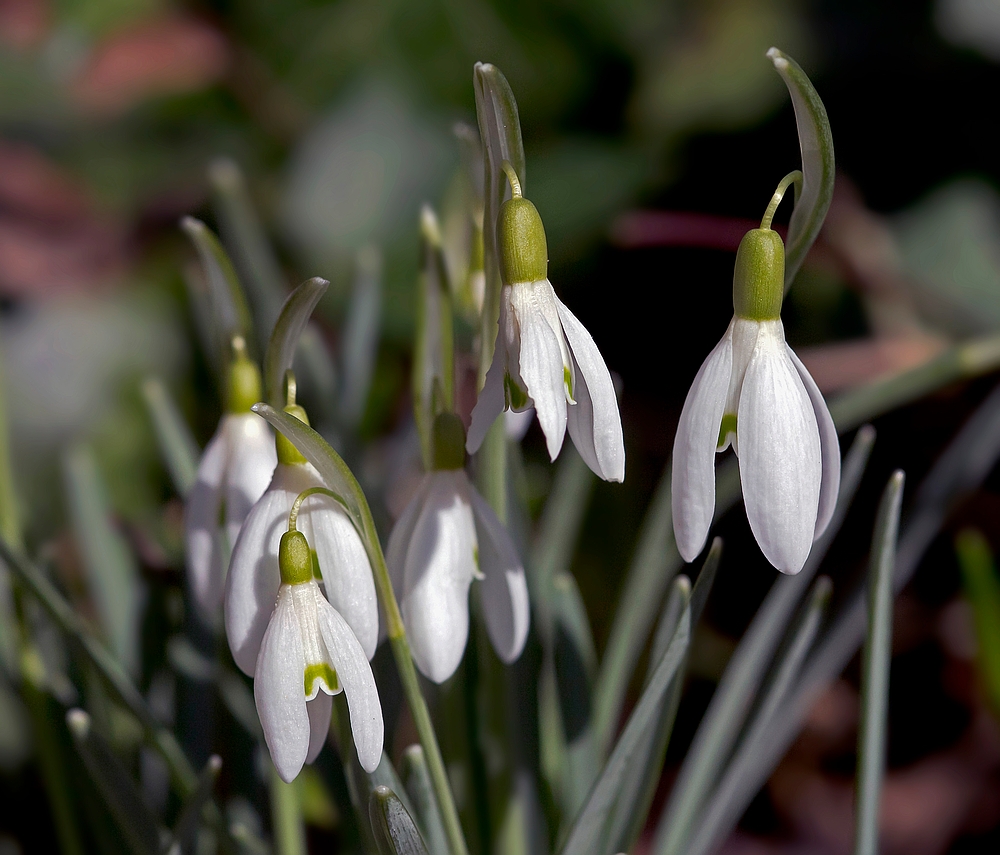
[(139, 827), (177, 445), (284, 340), (186, 826), (589, 834), (818, 168), (417, 781), (111, 570), (875, 662), (230, 312), (982, 589), (361, 334), (394, 829)]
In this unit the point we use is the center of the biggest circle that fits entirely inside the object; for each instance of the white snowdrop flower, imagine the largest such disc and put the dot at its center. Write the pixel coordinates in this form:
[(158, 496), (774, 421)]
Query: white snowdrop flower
[(307, 655), (447, 536), (252, 582), (754, 393), (543, 356), (233, 473)]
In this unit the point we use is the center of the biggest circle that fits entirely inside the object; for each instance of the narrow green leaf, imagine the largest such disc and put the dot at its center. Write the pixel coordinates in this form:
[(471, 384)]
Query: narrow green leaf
[(186, 826), (139, 827), (417, 780), (111, 570), (231, 315), (717, 820), (361, 334), (395, 831), (744, 672), (818, 172), (177, 445), (982, 590), (589, 835), (284, 340), (875, 663)]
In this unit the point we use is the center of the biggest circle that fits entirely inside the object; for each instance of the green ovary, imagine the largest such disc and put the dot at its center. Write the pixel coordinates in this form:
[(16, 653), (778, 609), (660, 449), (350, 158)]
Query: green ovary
[(727, 427), (323, 672)]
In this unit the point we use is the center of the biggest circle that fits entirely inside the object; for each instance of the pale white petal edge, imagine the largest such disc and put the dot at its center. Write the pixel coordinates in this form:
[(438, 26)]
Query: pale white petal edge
[(202, 546)]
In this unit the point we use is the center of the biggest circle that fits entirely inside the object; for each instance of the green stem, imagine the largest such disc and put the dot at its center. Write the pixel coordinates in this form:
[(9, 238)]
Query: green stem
[(286, 817), (793, 177)]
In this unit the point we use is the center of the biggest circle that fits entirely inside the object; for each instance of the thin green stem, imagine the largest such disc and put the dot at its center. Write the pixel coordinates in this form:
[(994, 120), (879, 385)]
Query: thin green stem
[(293, 514), (286, 817), (511, 173), (793, 177)]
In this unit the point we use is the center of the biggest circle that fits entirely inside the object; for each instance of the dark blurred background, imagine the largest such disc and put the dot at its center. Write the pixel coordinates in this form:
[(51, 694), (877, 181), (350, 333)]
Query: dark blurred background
[(655, 133)]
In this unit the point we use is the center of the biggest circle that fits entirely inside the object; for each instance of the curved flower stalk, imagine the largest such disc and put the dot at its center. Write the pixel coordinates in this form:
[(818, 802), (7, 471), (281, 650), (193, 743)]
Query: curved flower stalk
[(308, 654), (753, 392), (544, 357), (232, 475), (447, 536), (345, 572)]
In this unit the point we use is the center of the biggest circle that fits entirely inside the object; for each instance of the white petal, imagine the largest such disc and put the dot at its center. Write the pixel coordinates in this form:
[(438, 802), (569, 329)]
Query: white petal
[(252, 459), (505, 590), (594, 423), (355, 675), (347, 574), (203, 552), (829, 447), (541, 361), (319, 723), (440, 565), (253, 579), (279, 691), (780, 463), (490, 402), (692, 480)]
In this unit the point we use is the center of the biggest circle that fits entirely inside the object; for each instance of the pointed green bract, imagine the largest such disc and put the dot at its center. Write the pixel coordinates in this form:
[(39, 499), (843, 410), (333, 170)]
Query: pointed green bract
[(282, 344), (394, 829)]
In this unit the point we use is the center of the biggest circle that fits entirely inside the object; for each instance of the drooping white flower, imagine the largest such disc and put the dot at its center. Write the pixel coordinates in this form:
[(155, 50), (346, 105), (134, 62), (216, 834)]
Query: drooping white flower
[(253, 580), (447, 536), (232, 475), (308, 654), (754, 393), (543, 356)]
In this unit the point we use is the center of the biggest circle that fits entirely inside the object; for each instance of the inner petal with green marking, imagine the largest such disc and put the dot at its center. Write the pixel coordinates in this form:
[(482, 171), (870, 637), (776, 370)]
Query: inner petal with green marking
[(517, 397), (727, 427), (325, 674)]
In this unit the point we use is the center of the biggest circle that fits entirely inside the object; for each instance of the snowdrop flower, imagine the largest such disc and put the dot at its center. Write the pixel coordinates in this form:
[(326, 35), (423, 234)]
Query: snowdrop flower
[(232, 475), (309, 654), (447, 536), (252, 582), (753, 392), (543, 356)]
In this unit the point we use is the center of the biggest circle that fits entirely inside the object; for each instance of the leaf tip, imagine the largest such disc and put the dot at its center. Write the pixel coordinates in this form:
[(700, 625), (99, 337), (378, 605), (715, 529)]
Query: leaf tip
[(78, 723), (778, 58)]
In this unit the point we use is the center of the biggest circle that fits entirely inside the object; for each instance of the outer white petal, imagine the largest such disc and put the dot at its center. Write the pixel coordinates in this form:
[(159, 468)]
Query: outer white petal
[(692, 480), (203, 552), (829, 447), (252, 459), (491, 402), (594, 423), (319, 723), (440, 565), (253, 580), (279, 692), (780, 462), (504, 591), (355, 675), (347, 573), (399, 543), (541, 361)]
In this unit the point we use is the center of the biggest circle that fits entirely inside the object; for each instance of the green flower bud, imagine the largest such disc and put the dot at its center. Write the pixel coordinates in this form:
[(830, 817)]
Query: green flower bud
[(449, 442), (294, 559), (243, 387), (288, 453), (759, 278), (524, 254)]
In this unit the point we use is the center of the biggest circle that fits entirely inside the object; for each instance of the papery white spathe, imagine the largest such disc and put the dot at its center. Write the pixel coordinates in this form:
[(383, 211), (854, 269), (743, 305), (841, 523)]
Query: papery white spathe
[(253, 579), (294, 706), (447, 536), (784, 437), (545, 358), (232, 475)]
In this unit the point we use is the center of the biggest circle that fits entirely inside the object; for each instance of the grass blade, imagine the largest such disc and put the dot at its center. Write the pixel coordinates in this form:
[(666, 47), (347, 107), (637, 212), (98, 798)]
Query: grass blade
[(186, 827), (875, 661), (982, 589), (177, 446)]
